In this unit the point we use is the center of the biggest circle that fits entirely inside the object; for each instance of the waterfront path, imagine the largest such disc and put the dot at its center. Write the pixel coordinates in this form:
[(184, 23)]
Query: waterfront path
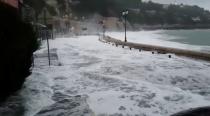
[(159, 49)]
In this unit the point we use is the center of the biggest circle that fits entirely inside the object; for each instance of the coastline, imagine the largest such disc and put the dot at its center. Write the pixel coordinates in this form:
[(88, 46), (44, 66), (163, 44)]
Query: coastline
[(170, 27), (159, 49)]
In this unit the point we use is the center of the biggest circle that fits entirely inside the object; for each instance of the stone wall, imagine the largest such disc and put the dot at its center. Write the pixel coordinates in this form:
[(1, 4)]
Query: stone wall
[(17, 44)]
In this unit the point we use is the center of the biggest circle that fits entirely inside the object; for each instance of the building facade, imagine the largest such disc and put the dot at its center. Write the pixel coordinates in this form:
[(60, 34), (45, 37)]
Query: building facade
[(13, 3)]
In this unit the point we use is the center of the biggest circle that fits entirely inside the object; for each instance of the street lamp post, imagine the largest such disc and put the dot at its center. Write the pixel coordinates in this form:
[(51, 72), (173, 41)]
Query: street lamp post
[(104, 29), (124, 14), (102, 23)]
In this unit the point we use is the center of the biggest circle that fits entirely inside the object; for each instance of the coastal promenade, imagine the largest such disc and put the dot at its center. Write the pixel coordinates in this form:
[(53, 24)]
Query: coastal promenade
[(159, 49)]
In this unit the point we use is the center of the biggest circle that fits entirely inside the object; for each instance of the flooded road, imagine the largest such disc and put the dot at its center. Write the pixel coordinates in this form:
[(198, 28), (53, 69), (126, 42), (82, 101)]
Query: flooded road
[(90, 78)]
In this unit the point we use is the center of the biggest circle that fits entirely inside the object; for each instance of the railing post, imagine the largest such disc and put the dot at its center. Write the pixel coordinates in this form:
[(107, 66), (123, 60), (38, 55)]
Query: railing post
[(46, 32)]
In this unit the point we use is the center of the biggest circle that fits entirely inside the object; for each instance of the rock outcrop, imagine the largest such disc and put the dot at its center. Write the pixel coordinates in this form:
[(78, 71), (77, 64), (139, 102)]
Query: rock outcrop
[(202, 111)]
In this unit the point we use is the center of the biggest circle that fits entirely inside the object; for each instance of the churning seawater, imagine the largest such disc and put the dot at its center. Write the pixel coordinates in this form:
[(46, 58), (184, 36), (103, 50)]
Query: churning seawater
[(192, 37), (197, 39)]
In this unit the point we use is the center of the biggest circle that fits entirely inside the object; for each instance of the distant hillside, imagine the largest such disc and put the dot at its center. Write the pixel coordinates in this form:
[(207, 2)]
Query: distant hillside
[(145, 12), (139, 12), (104, 7)]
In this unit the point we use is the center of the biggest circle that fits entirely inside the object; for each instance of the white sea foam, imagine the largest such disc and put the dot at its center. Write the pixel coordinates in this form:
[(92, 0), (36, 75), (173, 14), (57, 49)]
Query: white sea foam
[(116, 81), (158, 37)]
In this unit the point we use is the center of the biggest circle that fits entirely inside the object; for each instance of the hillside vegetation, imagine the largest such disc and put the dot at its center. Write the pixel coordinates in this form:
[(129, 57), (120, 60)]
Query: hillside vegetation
[(146, 12), (139, 12)]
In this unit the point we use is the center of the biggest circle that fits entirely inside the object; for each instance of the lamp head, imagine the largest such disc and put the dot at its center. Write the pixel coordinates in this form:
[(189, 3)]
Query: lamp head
[(125, 13)]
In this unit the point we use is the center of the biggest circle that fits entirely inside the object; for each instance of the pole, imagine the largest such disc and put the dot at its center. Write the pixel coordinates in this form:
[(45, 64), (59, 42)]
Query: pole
[(48, 46), (48, 49), (125, 29), (104, 29)]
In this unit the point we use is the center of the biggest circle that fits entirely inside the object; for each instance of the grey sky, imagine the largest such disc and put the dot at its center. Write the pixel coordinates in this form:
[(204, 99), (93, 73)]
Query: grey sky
[(202, 3)]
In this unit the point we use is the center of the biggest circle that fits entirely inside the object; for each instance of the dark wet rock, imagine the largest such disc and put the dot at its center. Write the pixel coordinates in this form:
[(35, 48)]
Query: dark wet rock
[(159, 79), (204, 92), (122, 96), (144, 104), (203, 111), (60, 64), (60, 78), (178, 79), (173, 82), (58, 96), (13, 106), (140, 115), (134, 97), (116, 114), (122, 108), (67, 106), (174, 98)]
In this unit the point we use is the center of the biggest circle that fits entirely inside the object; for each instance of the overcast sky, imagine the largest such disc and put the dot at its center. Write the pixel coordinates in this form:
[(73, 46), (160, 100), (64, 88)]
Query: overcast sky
[(202, 3)]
